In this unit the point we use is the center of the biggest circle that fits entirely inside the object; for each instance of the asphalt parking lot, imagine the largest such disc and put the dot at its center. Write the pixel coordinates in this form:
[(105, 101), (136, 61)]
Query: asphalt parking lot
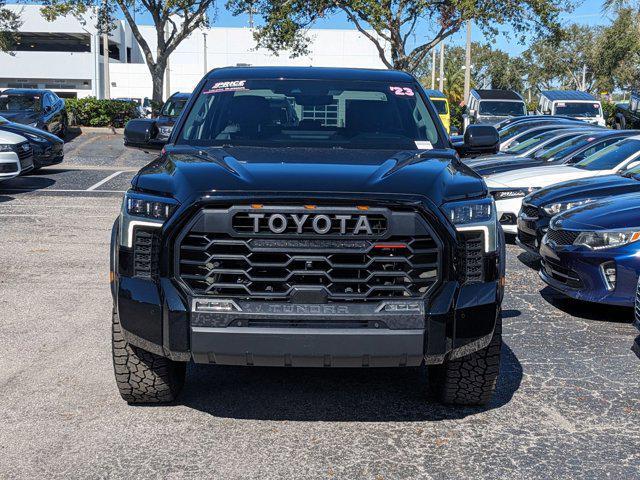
[(567, 405)]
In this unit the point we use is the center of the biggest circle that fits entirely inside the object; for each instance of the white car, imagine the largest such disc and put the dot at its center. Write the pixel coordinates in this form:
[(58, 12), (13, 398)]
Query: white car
[(16, 156), (509, 188)]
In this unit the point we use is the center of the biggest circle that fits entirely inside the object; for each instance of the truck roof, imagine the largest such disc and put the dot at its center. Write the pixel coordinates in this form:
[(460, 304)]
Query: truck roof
[(496, 94), (434, 93), (310, 73), (576, 95)]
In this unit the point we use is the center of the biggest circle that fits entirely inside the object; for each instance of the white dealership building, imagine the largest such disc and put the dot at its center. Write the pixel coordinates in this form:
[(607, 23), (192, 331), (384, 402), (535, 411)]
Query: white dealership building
[(66, 56)]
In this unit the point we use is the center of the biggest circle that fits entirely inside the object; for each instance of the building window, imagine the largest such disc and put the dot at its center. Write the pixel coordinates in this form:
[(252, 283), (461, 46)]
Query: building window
[(326, 114)]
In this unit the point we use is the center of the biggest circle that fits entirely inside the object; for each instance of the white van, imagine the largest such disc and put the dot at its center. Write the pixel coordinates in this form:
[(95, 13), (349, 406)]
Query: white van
[(571, 103), (16, 155)]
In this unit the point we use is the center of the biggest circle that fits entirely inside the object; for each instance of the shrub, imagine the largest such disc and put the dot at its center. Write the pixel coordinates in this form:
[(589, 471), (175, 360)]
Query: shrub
[(456, 110), (609, 112), (91, 112)]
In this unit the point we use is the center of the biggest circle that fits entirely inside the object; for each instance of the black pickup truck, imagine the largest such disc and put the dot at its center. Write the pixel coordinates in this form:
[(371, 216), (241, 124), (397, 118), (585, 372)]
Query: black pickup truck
[(627, 115), (308, 217)]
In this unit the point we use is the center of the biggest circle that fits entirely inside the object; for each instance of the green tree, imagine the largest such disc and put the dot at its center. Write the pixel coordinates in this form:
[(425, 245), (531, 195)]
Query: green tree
[(618, 53), (568, 60), (174, 21), (9, 24), (404, 30), (491, 68)]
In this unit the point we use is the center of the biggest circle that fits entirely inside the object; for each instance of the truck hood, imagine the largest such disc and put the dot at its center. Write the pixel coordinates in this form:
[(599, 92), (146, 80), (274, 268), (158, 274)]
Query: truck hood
[(539, 176), (590, 187), (607, 214), (184, 171)]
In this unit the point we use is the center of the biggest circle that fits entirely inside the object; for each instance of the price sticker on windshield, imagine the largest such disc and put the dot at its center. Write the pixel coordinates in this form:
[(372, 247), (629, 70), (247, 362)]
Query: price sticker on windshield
[(402, 91), (228, 86)]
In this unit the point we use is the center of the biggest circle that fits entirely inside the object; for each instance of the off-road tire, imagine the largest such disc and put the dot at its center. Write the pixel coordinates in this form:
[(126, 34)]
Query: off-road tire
[(141, 376), (469, 380)]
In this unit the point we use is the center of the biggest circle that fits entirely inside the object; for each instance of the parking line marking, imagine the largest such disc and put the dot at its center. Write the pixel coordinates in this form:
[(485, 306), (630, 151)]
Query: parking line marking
[(105, 180), (46, 190)]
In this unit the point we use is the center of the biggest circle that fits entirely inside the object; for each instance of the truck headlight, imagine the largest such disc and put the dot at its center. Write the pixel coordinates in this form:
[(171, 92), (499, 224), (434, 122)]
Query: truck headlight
[(555, 208), (478, 215), (607, 239), (144, 211), (6, 147), (149, 208)]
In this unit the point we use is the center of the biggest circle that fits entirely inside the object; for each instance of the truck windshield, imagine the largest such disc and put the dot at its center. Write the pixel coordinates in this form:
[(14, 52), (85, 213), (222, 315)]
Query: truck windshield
[(19, 102), (578, 109), (441, 106), (502, 108), (309, 113), (173, 107), (610, 157)]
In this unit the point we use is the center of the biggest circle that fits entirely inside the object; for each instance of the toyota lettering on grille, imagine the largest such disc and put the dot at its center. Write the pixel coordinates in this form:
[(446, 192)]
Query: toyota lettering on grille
[(321, 224)]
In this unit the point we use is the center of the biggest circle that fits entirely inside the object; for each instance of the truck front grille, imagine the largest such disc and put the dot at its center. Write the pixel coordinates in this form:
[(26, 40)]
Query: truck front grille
[(305, 268), (530, 211)]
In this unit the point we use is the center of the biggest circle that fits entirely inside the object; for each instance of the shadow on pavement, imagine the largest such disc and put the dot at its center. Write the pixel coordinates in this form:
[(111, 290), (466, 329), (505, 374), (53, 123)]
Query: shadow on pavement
[(4, 198), (342, 395), (587, 310), (530, 260), (27, 183)]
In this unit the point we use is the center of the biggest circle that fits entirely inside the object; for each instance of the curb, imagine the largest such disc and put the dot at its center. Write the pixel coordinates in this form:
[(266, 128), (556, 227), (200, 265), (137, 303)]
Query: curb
[(111, 130)]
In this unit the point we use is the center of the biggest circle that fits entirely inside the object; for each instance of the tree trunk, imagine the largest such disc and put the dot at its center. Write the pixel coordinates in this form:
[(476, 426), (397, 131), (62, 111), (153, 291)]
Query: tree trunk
[(157, 78)]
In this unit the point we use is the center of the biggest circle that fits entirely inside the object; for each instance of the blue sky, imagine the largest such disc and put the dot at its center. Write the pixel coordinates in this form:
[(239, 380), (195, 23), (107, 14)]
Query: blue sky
[(589, 12)]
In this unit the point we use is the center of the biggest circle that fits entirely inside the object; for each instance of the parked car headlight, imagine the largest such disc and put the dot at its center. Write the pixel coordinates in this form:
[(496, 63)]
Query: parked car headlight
[(607, 239), (6, 147), (477, 215), (555, 208)]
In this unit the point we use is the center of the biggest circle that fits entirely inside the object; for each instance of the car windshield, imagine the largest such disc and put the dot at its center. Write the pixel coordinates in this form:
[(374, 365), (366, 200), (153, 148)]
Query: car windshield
[(578, 109), (15, 102), (565, 148), (610, 157), (309, 113), (530, 142), (441, 105), (517, 128), (173, 107), (502, 108)]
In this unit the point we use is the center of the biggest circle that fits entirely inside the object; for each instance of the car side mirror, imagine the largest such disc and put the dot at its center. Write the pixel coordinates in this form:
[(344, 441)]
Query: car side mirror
[(480, 139), (142, 133)]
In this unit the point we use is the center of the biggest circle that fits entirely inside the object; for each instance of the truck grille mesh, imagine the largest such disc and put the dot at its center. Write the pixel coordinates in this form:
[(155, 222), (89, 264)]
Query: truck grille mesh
[(146, 253), (470, 257), (530, 211), (268, 268)]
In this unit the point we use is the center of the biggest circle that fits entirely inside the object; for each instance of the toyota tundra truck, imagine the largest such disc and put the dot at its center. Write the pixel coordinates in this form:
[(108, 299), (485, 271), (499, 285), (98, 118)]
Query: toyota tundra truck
[(307, 217)]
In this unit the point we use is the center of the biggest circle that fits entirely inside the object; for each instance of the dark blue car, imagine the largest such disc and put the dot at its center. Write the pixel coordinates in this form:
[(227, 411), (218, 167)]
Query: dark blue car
[(592, 252), (540, 206)]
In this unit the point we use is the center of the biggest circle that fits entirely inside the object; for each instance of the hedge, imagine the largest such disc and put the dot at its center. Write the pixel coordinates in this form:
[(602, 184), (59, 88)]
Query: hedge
[(91, 112)]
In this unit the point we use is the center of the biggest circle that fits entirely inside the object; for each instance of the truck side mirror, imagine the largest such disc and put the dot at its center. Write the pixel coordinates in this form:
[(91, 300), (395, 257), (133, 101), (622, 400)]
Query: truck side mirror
[(480, 139), (142, 133)]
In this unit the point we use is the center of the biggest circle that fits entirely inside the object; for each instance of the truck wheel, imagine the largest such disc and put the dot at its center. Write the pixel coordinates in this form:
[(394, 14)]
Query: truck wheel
[(141, 376), (469, 380)]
